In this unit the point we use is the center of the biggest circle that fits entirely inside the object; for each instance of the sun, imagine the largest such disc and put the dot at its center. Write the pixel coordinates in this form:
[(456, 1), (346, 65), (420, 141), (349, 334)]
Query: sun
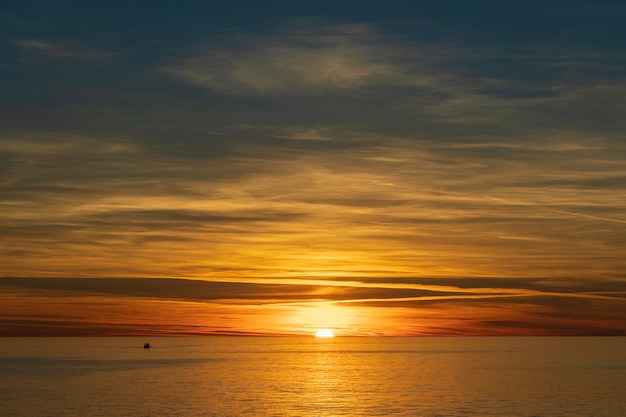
[(324, 333)]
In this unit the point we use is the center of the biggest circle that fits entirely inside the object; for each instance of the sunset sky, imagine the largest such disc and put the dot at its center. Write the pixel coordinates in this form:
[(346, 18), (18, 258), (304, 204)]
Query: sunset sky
[(378, 168)]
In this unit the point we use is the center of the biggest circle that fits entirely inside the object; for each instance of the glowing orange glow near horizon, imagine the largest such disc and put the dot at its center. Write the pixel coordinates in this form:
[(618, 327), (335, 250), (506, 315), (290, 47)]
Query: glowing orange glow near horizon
[(325, 334)]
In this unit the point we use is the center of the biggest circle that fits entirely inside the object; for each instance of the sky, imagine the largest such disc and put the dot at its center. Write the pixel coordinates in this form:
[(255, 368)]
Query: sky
[(272, 168)]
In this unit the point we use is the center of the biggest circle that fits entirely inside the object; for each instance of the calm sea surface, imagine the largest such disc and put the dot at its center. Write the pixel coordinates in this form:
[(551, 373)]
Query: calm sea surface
[(276, 376)]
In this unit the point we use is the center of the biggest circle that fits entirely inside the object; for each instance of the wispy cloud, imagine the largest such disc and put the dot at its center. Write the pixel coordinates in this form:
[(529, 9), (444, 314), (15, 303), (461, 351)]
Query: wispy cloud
[(61, 49), (440, 82), (402, 204), (414, 173), (331, 58), (296, 306)]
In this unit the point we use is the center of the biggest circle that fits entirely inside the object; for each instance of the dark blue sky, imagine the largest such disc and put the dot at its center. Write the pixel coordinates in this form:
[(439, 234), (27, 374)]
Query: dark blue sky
[(69, 54)]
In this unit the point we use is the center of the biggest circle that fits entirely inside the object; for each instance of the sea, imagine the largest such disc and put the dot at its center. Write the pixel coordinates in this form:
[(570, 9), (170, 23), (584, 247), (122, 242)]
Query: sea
[(308, 376)]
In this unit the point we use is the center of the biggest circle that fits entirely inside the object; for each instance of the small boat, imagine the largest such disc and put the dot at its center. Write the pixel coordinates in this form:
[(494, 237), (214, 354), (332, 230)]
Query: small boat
[(146, 345)]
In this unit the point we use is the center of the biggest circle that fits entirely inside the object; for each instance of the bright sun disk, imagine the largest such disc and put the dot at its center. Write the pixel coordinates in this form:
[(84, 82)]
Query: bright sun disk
[(324, 333)]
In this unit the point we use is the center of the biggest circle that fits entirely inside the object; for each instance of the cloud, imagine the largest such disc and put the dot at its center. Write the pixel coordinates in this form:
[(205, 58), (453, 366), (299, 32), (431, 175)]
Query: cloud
[(436, 85), (404, 204), (424, 173), (60, 49), (173, 306), (340, 58)]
